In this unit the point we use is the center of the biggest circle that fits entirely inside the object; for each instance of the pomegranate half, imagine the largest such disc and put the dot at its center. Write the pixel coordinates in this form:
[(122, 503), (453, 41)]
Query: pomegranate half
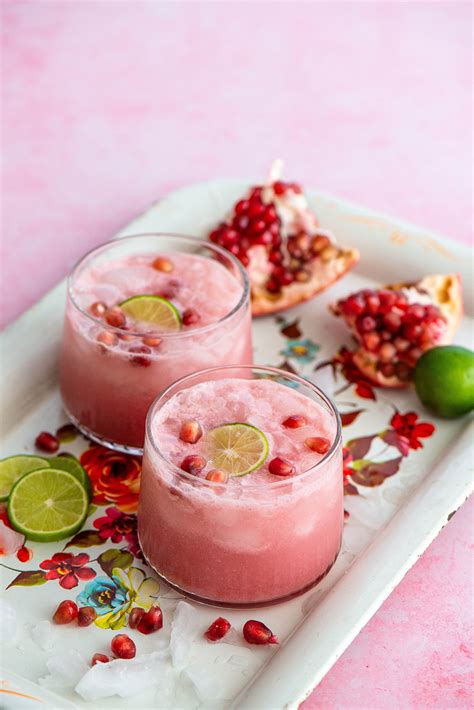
[(395, 325)]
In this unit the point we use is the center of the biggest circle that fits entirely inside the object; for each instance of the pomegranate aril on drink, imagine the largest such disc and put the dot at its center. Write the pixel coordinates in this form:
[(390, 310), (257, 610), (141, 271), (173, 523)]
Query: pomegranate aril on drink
[(66, 612), (190, 317), (122, 646), (193, 464), (256, 632), (191, 431), (106, 337), (86, 615), (99, 658), (281, 467), (296, 421), (97, 309), (218, 629), (217, 476), (135, 616), (151, 341), (115, 317), (150, 621), (318, 443), (140, 355), (47, 442), (161, 263)]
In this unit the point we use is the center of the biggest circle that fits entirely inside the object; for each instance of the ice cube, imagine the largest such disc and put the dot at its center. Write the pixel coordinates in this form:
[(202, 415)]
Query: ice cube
[(185, 627), (10, 540), (44, 635), (66, 669), (126, 677), (7, 622), (208, 684)]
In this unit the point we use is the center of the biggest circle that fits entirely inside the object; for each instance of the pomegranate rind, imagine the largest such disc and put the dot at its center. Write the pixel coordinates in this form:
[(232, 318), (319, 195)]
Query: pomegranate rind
[(445, 292)]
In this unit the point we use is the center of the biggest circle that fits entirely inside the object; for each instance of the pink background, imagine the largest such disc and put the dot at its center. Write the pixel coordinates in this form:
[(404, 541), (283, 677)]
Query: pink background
[(106, 106)]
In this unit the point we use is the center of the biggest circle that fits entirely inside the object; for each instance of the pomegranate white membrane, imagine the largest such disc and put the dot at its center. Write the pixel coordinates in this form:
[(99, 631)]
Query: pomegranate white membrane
[(251, 539), (113, 364)]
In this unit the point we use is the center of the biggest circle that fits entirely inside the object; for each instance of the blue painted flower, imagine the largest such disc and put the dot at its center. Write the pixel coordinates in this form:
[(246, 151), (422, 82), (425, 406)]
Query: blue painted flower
[(303, 350), (105, 594)]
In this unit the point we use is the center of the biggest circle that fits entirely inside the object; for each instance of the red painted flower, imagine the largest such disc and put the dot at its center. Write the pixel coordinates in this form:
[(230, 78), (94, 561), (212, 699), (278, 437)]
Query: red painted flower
[(119, 526), (346, 461), (409, 431), (345, 360), (115, 477), (68, 568)]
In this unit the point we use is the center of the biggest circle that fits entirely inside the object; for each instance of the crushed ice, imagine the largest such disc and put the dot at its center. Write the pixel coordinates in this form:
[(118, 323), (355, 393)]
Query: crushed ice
[(66, 669), (44, 635), (8, 623), (185, 628)]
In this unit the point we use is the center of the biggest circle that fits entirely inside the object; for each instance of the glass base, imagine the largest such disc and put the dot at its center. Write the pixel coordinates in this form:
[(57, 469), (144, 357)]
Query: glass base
[(122, 448), (242, 605)]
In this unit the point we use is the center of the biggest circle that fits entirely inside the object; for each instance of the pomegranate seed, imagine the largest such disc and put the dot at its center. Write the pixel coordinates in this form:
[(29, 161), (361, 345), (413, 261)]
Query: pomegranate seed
[(135, 616), (115, 317), (256, 208), (190, 431), (151, 620), (151, 341), (24, 554), (275, 257), (352, 306), (372, 303), (140, 359), (163, 264), (257, 633), (318, 443), (415, 312), (415, 354), (279, 187), (392, 321), (295, 421), (328, 253), (387, 369), (99, 658), (319, 243), (66, 612), (403, 371), (217, 476), (365, 324), (272, 286), (105, 337), (241, 206), (217, 629), (371, 341), (47, 442), (281, 467), (387, 352), (123, 647), (86, 615), (97, 309), (190, 316), (269, 214), (387, 300), (302, 276), (412, 331), (401, 344), (241, 222), (256, 192), (193, 464)]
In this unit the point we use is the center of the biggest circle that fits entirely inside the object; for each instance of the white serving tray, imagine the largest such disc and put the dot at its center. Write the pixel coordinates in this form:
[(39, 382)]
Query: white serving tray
[(389, 525)]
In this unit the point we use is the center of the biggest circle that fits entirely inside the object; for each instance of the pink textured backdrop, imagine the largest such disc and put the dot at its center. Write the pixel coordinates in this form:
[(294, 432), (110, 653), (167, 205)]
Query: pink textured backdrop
[(106, 106)]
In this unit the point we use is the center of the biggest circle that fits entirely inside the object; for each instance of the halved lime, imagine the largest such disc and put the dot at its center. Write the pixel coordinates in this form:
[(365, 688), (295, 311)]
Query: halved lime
[(47, 505), (67, 463), (14, 467), (237, 448), (152, 309)]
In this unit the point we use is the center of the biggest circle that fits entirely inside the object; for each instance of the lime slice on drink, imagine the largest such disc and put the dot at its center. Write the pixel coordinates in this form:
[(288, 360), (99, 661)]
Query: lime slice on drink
[(152, 309), (237, 448), (67, 463), (444, 380), (13, 468), (47, 505)]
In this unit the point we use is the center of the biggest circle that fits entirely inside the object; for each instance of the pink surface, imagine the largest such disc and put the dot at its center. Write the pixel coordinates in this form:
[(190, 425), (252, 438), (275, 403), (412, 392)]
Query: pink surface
[(107, 106)]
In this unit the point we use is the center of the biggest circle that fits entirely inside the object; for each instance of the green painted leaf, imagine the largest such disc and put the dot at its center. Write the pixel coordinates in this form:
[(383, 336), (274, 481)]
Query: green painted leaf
[(30, 578), (114, 558), (85, 538)]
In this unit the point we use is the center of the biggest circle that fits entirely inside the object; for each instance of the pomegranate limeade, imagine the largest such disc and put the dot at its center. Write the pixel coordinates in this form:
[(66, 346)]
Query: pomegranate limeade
[(241, 498), (142, 312)]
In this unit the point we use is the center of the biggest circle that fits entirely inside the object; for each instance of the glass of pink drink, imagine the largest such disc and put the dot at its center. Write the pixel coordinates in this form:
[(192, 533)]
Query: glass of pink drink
[(258, 538), (113, 366)]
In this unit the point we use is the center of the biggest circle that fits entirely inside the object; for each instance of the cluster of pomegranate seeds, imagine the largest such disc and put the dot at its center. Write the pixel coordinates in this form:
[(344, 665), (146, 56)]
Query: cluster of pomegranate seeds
[(86, 615), (99, 658), (281, 467), (66, 612), (318, 443), (135, 616), (396, 331), (257, 633), (191, 431), (47, 442), (122, 646), (218, 629), (150, 621), (193, 464)]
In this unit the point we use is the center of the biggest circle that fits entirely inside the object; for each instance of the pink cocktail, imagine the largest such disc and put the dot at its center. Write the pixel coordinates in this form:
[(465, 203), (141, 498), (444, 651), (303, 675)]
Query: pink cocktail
[(246, 540), (113, 366)]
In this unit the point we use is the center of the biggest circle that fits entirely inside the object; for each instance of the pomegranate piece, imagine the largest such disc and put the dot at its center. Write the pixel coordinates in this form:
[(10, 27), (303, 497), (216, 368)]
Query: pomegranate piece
[(24, 554), (115, 317), (66, 612), (277, 237), (319, 444), (218, 629), (296, 421), (193, 464), (135, 616), (281, 467), (98, 309), (395, 325), (257, 633), (47, 442), (99, 658), (139, 355), (161, 263), (151, 620), (190, 431), (122, 646), (190, 317), (86, 615), (152, 341), (217, 476)]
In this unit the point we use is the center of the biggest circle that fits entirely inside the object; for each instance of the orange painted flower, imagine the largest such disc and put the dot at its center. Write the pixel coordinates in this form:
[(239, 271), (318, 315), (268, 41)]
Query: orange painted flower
[(115, 477)]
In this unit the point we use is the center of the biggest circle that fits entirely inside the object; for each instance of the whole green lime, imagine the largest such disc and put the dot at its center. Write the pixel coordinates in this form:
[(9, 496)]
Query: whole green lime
[(444, 380)]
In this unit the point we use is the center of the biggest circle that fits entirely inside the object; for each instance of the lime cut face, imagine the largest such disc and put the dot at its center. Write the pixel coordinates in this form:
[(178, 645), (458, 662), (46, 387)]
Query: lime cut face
[(444, 380), (47, 505), (155, 310), (66, 463), (237, 448), (14, 467)]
